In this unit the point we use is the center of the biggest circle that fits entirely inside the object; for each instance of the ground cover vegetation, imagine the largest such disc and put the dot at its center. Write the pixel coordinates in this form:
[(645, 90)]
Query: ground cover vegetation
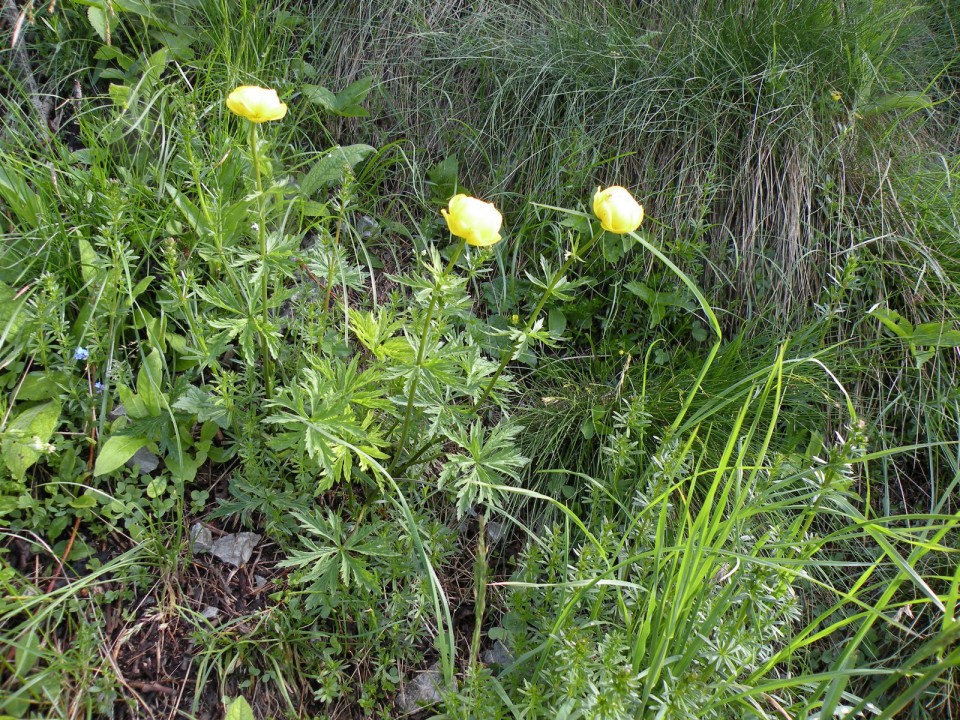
[(333, 387)]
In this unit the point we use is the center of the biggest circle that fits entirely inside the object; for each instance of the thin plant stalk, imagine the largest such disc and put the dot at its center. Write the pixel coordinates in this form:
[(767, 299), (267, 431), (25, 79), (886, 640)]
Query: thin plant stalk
[(424, 337), (481, 588), (507, 355), (264, 280)]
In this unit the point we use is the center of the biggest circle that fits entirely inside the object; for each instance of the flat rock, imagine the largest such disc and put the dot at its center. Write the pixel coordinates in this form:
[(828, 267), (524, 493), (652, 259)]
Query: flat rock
[(422, 690), (495, 531), (498, 654), (202, 538), (146, 460), (117, 412), (235, 549)]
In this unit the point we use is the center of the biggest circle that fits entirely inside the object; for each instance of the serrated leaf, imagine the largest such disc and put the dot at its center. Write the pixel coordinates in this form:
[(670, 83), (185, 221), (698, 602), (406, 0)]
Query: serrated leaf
[(115, 452), (120, 94), (99, 22), (30, 428)]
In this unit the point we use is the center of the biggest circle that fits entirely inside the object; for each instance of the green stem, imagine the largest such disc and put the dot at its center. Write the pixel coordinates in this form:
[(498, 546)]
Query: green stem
[(336, 244), (480, 590), (707, 310), (265, 276), (424, 337), (507, 355)]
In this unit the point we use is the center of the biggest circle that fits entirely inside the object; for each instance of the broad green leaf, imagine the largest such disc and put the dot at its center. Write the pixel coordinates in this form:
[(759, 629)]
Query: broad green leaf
[(148, 382), (936, 334), (349, 99), (321, 96), (154, 69), (27, 654), (190, 211), (905, 101), (156, 487), (332, 167), (12, 312), (131, 402), (557, 322), (115, 452), (25, 435), (83, 502), (614, 247), (23, 201), (38, 385), (88, 260), (239, 709), (893, 321)]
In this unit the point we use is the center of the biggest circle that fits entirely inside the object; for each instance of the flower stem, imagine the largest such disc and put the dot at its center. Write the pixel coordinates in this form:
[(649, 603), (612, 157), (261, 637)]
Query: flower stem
[(330, 266), (424, 337), (507, 355), (480, 590), (265, 276)]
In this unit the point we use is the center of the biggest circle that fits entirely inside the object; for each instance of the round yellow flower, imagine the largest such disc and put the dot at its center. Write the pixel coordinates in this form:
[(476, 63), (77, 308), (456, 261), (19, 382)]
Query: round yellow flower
[(475, 221), (836, 95), (256, 104), (617, 210)]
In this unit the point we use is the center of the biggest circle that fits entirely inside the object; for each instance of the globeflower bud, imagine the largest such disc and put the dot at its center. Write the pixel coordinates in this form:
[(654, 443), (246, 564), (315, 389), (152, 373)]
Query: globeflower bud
[(475, 221), (256, 104), (617, 210)]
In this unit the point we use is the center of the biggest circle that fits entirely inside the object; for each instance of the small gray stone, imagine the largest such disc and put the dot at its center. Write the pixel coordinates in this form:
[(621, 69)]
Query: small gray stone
[(117, 412), (366, 225), (146, 460), (202, 538), (210, 612), (422, 690), (499, 654), (235, 549), (495, 531), (259, 581)]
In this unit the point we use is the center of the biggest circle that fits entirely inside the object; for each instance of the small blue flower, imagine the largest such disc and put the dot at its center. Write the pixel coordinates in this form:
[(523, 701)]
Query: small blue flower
[(98, 386), (81, 353)]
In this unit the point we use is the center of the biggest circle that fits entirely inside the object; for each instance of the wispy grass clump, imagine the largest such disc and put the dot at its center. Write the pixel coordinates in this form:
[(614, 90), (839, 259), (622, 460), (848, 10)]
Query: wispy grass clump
[(733, 120)]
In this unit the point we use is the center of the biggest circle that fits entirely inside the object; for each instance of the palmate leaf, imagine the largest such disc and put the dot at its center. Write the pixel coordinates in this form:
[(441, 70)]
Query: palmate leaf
[(337, 555), (329, 415), (490, 459)]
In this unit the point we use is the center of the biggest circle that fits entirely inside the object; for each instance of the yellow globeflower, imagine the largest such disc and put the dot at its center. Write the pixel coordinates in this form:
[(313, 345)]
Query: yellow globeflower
[(256, 104), (617, 210), (475, 221)]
